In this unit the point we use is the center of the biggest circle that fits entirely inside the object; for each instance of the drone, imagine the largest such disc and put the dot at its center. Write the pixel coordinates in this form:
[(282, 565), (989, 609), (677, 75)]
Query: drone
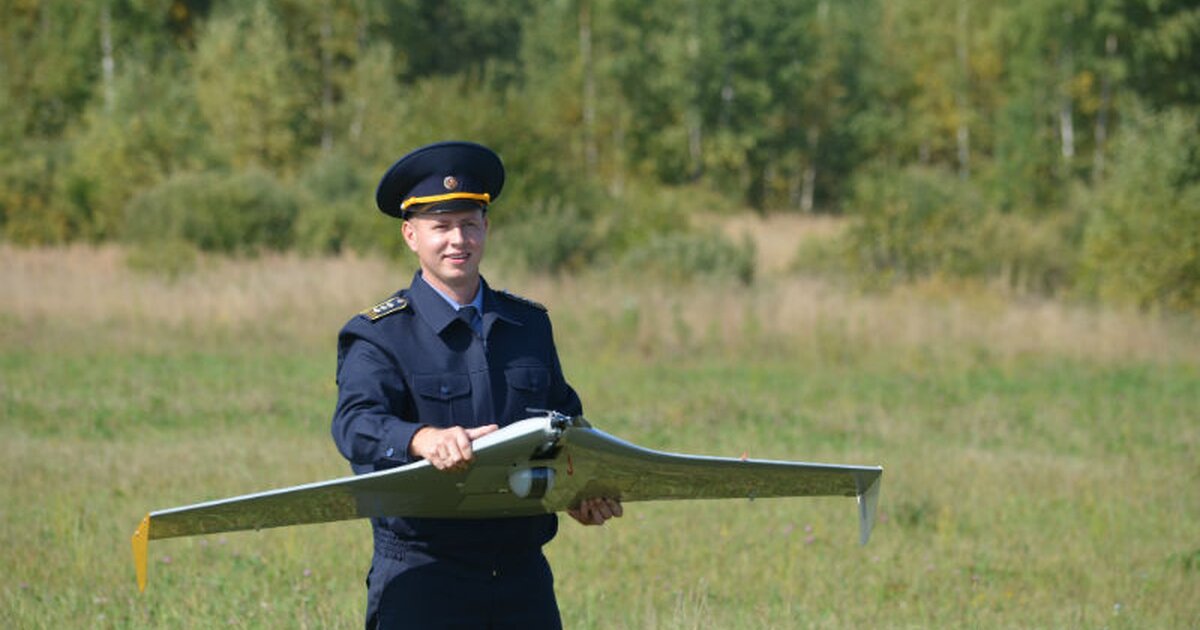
[(541, 465)]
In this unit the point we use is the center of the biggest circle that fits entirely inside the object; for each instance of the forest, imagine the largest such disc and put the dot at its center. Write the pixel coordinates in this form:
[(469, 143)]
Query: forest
[(1048, 145)]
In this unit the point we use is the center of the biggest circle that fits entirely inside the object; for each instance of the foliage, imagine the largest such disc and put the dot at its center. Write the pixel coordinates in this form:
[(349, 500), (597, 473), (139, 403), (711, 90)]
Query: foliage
[(683, 256), (923, 222), (545, 240), (914, 223), (1142, 244), (30, 212), (146, 133), (170, 258), (237, 213), (244, 89), (766, 105), (337, 212)]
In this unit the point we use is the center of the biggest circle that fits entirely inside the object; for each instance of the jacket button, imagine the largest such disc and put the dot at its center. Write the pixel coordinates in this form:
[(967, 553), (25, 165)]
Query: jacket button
[(445, 389)]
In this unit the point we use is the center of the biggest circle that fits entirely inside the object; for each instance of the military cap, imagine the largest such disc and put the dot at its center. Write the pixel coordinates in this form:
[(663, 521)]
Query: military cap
[(441, 177)]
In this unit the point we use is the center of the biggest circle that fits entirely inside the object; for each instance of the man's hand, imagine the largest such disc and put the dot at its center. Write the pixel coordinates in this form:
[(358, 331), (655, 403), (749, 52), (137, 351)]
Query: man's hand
[(596, 511), (447, 449)]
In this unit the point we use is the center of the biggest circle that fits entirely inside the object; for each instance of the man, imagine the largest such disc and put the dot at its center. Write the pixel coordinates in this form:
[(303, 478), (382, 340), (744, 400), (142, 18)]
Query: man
[(432, 368)]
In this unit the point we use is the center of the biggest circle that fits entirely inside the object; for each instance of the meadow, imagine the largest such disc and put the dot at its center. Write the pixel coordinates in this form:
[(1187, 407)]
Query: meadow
[(1040, 457)]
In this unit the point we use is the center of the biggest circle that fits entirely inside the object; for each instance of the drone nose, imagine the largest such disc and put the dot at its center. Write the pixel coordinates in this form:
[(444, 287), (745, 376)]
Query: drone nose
[(531, 483)]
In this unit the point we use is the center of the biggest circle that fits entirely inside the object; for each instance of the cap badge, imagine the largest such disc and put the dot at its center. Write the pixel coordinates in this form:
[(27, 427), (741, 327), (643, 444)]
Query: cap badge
[(450, 183)]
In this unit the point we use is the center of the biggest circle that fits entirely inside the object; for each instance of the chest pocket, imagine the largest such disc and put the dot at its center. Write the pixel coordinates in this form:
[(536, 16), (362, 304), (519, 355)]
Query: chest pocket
[(529, 388), (443, 399)]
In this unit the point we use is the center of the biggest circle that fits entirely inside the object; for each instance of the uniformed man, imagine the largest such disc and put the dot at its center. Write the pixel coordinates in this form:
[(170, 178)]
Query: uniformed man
[(428, 370)]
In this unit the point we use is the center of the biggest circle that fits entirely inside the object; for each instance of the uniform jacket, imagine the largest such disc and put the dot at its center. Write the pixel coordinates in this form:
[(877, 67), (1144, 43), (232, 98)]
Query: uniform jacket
[(410, 362)]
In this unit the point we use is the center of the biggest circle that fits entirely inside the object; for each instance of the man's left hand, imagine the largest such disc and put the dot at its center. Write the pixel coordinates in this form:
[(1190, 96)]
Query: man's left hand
[(596, 511)]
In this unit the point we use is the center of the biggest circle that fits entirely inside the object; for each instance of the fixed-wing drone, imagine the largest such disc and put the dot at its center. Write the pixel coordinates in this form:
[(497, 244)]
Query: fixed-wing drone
[(540, 465)]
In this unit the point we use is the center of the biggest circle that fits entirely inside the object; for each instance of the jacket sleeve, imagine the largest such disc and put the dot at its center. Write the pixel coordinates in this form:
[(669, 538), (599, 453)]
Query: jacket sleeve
[(372, 395)]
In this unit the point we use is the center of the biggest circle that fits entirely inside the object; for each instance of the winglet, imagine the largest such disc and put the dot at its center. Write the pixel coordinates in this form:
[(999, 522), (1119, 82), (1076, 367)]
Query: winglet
[(141, 543), (867, 501)]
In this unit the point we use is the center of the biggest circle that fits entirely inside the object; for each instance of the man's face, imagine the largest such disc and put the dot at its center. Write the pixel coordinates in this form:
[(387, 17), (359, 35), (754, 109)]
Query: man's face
[(449, 247)]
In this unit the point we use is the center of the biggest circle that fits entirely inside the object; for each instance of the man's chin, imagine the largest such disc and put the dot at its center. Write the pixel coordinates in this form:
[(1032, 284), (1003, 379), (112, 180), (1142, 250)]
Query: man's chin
[(454, 275), (460, 271)]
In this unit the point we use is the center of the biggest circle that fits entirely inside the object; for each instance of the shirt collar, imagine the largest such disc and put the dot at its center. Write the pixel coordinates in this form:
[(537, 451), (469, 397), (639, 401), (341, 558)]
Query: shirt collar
[(477, 302), (439, 311)]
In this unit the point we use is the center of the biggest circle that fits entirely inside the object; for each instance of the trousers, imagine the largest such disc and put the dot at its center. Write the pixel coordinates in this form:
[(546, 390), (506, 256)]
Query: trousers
[(413, 588)]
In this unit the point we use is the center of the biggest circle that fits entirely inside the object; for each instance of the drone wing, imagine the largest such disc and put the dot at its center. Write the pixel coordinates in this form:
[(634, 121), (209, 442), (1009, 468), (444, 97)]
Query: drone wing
[(536, 466)]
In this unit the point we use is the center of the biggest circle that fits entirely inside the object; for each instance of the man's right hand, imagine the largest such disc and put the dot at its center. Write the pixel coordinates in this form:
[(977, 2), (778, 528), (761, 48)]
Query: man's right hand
[(447, 449)]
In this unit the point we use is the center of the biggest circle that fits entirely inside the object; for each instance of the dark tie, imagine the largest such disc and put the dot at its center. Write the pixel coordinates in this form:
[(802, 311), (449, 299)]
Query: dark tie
[(468, 314)]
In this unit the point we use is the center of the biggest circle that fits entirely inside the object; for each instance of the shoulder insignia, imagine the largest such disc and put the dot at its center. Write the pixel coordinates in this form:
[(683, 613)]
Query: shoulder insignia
[(387, 307), (521, 300)]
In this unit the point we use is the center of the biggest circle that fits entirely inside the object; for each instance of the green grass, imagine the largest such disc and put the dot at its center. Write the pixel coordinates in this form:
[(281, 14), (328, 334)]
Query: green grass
[(1021, 489)]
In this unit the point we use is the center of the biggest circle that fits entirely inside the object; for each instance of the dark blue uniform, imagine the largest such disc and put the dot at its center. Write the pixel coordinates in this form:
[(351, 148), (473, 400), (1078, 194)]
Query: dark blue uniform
[(410, 362)]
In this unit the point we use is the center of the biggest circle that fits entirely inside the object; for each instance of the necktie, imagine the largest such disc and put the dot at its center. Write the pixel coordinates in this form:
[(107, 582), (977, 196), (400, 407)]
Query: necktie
[(471, 316)]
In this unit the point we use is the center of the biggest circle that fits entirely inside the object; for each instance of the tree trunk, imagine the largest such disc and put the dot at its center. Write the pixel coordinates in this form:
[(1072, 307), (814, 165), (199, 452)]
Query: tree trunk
[(326, 82), (590, 153), (963, 134), (809, 186), (1110, 51), (355, 128), (1066, 122), (695, 117), (1066, 129), (616, 186), (107, 63)]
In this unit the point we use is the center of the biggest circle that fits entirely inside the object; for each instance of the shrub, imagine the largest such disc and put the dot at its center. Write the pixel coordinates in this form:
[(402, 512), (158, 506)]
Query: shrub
[(641, 229), (347, 225), (29, 211), (1142, 242), (171, 258), (338, 211), (682, 256), (915, 222), (920, 222), (821, 256), (237, 213), (548, 237)]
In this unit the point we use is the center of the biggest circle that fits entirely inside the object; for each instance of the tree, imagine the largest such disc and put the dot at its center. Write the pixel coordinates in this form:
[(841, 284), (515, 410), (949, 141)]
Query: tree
[(1142, 243), (243, 79)]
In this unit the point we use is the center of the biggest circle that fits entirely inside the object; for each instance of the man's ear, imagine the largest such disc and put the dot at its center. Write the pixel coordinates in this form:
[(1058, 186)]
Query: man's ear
[(410, 234)]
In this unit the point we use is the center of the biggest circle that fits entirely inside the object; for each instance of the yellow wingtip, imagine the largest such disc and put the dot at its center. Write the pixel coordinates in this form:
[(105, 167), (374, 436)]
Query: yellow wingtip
[(141, 544)]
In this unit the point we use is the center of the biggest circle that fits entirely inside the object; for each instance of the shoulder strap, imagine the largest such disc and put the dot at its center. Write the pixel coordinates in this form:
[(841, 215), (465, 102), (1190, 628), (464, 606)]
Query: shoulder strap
[(394, 304)]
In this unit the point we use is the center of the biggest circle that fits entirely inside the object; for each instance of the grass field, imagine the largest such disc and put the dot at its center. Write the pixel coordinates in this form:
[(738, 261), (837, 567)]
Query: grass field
[(1041, 460)]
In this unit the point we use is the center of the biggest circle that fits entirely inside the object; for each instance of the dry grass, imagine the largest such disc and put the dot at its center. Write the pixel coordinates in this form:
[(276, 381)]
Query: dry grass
[(96, 283), (87, 287), (306, 299), (794, 313)]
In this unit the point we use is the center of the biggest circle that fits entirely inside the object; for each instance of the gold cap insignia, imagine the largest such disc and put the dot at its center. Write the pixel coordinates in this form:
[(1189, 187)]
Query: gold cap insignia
[(450, 183)]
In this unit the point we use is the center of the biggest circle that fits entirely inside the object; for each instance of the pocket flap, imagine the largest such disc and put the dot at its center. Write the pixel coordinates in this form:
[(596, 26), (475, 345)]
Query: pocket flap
[(530, 379), (442, 386)]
